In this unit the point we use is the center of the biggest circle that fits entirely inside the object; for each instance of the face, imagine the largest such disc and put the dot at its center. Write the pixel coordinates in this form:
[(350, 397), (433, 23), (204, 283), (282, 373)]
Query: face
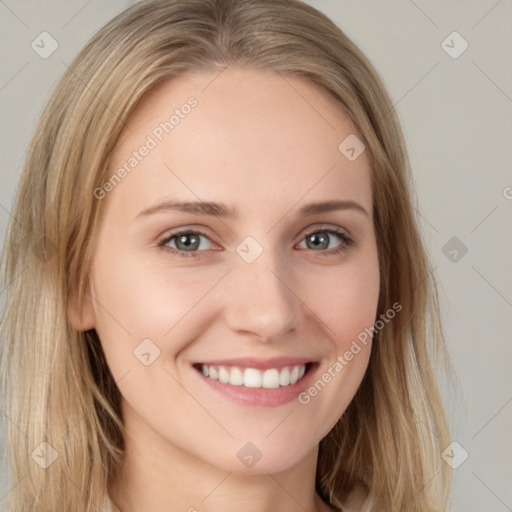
[(252, 286)]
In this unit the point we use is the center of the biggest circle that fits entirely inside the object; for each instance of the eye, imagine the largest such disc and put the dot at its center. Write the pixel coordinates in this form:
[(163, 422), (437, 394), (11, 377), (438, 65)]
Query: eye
[(320, 239), (186, 243)]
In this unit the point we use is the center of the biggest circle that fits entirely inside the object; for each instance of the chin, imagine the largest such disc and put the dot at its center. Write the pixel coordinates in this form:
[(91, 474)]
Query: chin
[(250, 460)]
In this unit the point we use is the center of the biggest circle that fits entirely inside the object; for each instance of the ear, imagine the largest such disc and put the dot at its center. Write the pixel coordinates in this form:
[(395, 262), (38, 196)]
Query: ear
[(81, 316)]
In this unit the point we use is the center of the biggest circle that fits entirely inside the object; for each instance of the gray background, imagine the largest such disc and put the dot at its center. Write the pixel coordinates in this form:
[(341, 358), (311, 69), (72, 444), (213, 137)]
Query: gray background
[(457, 118)]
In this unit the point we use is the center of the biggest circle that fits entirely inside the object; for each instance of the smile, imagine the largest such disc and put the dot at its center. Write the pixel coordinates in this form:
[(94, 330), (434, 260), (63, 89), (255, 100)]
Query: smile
[(251, 381), (270, 378)]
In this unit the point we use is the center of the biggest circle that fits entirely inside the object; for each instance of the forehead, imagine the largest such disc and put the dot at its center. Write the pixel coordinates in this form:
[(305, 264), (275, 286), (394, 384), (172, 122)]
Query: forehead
[(236, 133)]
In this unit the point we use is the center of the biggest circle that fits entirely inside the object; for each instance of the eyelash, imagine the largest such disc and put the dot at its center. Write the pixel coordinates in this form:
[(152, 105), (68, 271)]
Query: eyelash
[(346, 242)]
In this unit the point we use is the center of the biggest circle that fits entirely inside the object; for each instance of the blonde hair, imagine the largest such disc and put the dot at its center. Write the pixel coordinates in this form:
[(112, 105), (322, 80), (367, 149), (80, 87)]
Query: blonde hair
[(56, 385)]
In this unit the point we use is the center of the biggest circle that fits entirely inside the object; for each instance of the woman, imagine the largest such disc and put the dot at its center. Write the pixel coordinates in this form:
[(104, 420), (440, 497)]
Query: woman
[(234, 307)]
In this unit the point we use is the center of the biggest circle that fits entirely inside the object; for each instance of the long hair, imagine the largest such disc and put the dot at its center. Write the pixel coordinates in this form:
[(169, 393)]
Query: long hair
[(65, 435)]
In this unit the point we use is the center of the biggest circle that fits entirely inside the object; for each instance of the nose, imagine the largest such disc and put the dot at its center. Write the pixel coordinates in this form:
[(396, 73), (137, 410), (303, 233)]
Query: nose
[(260, 300)]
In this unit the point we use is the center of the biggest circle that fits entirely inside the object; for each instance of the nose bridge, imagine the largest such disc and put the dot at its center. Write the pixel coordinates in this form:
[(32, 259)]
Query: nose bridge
[(260, 299)]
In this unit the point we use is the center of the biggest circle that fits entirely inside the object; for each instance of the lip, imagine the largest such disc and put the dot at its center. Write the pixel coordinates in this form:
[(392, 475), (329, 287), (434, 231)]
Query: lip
[(260, 397)]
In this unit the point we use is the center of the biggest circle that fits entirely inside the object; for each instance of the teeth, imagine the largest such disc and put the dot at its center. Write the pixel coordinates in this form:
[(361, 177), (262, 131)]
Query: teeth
[(271, 379), (284, 377), (254, 378), (223, 375), (236, 377)]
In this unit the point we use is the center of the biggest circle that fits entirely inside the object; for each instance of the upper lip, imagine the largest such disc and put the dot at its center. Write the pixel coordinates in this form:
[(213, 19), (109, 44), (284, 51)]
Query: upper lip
[(261, 364)]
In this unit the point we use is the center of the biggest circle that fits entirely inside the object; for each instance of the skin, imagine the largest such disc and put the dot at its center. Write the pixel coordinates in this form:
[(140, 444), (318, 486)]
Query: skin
[(267, 146)]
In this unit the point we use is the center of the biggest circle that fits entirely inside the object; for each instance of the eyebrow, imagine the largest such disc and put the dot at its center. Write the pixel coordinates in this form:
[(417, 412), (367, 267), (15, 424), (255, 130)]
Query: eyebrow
[(225, 211)]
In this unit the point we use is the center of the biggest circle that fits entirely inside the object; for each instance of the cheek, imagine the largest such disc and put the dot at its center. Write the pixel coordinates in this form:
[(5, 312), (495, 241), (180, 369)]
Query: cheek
[(345, 299), (135, 301), (353, 304), (346, 303)]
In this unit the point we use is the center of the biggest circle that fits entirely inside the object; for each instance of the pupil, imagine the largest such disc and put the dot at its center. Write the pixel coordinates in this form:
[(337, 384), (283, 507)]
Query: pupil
[(187, 245), (319, 240)]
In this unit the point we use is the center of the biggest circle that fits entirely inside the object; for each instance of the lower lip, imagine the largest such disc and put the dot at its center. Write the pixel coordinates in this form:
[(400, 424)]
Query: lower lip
[(262, 397)]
